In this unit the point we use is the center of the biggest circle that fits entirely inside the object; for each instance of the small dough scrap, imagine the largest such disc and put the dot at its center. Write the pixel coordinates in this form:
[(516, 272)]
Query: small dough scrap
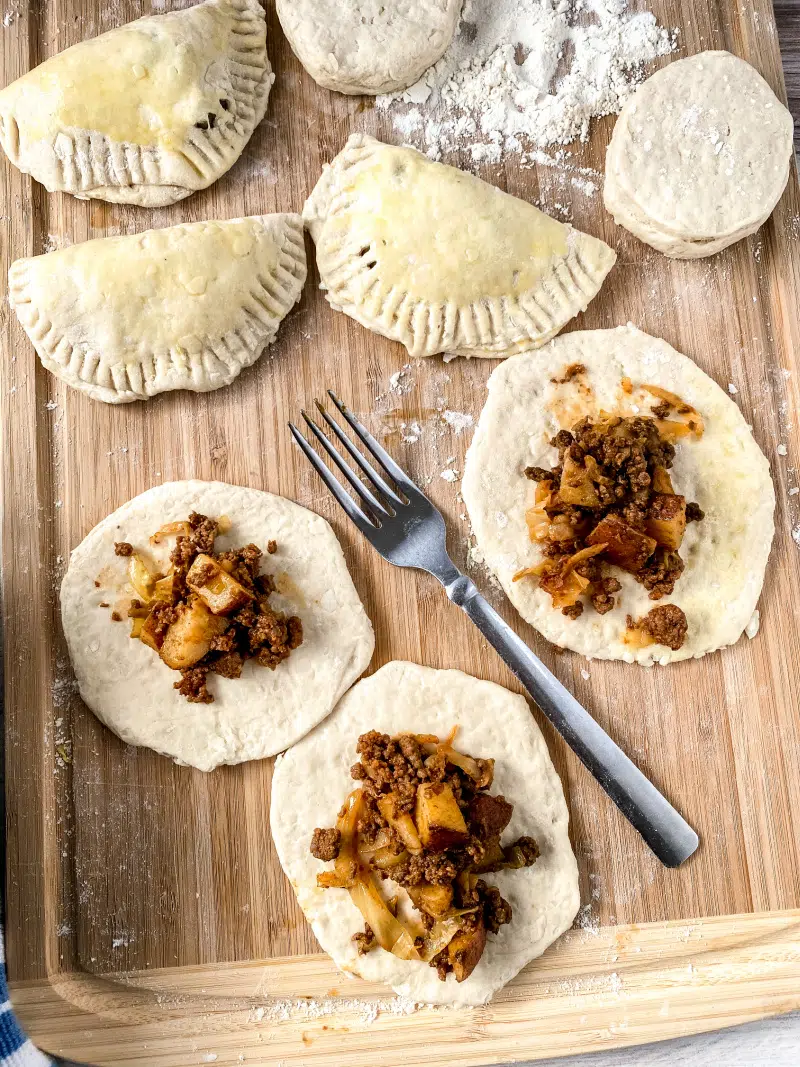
[(188, 307), (368, 46), (442, 262), (130, 689), (145, 114), (312, 780), (724, 471), (699, 157)]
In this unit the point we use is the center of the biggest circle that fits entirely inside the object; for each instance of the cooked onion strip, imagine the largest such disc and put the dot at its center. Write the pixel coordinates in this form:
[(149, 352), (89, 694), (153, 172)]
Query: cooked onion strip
[(389, 932), (141, 578), (170, 529)]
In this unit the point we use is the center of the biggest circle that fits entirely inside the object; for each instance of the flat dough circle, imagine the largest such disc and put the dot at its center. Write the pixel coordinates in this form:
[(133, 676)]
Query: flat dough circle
[(724, 471), (312, 779), (129, 688), (699, 153), (368, 46)]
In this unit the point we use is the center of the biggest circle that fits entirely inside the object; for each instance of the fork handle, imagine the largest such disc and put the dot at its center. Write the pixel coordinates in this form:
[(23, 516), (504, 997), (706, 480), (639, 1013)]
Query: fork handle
[(666, 831)]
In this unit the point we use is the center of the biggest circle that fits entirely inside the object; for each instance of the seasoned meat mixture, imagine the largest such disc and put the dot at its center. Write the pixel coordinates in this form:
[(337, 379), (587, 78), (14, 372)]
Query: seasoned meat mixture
[(426, 820), (210, 611), (666, 625), (609, 501)]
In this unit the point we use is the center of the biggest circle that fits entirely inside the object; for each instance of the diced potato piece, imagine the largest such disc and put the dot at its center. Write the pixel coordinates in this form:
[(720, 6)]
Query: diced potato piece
[(189, 638), (222, 593), (576, 485), (147, 635), (666, 519), (163, 589), (465, 950), (136, 627), (438, 817), (662, 482), (401, 822), (626, 547), (434, 900)]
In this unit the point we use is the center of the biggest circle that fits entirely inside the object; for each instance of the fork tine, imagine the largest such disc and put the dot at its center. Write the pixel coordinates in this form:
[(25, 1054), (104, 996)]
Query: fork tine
[(380, 453), (366, 467), (353, 510), (363, 491)]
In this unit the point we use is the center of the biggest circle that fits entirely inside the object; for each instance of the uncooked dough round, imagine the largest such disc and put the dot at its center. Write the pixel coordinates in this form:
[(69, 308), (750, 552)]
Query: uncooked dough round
[(131, 690), (368, 46), (699, 156), (724, 471), (312, 780)]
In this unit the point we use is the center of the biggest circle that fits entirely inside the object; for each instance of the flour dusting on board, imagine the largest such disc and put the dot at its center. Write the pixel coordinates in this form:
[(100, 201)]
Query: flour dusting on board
[(523, 73)]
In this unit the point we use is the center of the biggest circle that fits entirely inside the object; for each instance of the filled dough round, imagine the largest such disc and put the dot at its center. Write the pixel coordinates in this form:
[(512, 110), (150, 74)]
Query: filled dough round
[(312, 780), (264, 711), (368, 46), (699, 156), (724, 471), (188, 307), (147, 113), (441, 261)]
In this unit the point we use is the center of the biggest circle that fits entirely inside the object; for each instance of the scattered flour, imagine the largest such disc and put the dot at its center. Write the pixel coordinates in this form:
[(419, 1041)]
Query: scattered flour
[(782, 450), (282, 1010), (753, 626), (457, 420), (523, 73), (732, 389), (449, 475)]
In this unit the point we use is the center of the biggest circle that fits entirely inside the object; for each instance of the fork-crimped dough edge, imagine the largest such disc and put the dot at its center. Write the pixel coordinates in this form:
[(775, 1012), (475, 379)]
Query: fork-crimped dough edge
[(90, 165), (493, 327), (216, 363)]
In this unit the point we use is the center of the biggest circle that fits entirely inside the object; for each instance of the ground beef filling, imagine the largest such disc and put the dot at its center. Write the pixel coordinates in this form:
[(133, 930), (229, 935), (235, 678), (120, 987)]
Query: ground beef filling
[(211, 611), (430, 826), (610, 502)]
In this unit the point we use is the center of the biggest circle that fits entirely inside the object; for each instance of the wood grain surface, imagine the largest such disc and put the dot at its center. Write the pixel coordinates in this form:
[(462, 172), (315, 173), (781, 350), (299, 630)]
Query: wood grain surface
[(119, 861)]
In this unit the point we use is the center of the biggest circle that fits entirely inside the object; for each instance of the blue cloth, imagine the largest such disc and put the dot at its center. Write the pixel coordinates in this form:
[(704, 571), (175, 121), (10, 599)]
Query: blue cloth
[(15, 1049)]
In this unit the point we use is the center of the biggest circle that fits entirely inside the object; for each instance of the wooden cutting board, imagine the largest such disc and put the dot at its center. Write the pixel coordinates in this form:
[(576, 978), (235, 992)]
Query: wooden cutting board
[(148, 921)]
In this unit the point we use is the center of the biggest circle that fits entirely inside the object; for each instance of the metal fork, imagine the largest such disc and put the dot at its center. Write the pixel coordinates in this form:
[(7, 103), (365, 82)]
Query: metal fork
[(403, 525)]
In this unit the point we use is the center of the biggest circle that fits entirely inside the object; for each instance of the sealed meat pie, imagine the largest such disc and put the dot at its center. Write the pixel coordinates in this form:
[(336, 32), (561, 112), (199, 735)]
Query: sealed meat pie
[(212, 623), (620, 498), (425, 833)]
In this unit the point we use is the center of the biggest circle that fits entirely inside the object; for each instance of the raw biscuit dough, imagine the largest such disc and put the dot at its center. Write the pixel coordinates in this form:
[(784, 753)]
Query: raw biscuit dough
[(368, 46), (440, 261), (131, 690), (312, 780), (724, 471), (145, 114), (124, 318), (699, 156)]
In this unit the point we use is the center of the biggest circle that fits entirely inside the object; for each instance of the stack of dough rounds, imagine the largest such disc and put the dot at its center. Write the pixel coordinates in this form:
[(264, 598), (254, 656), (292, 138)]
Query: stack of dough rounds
[(699, 157)]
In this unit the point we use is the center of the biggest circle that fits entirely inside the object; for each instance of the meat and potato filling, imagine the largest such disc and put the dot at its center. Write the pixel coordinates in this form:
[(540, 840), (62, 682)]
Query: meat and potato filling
[(208, 611), (610, 502), (423, 818)]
